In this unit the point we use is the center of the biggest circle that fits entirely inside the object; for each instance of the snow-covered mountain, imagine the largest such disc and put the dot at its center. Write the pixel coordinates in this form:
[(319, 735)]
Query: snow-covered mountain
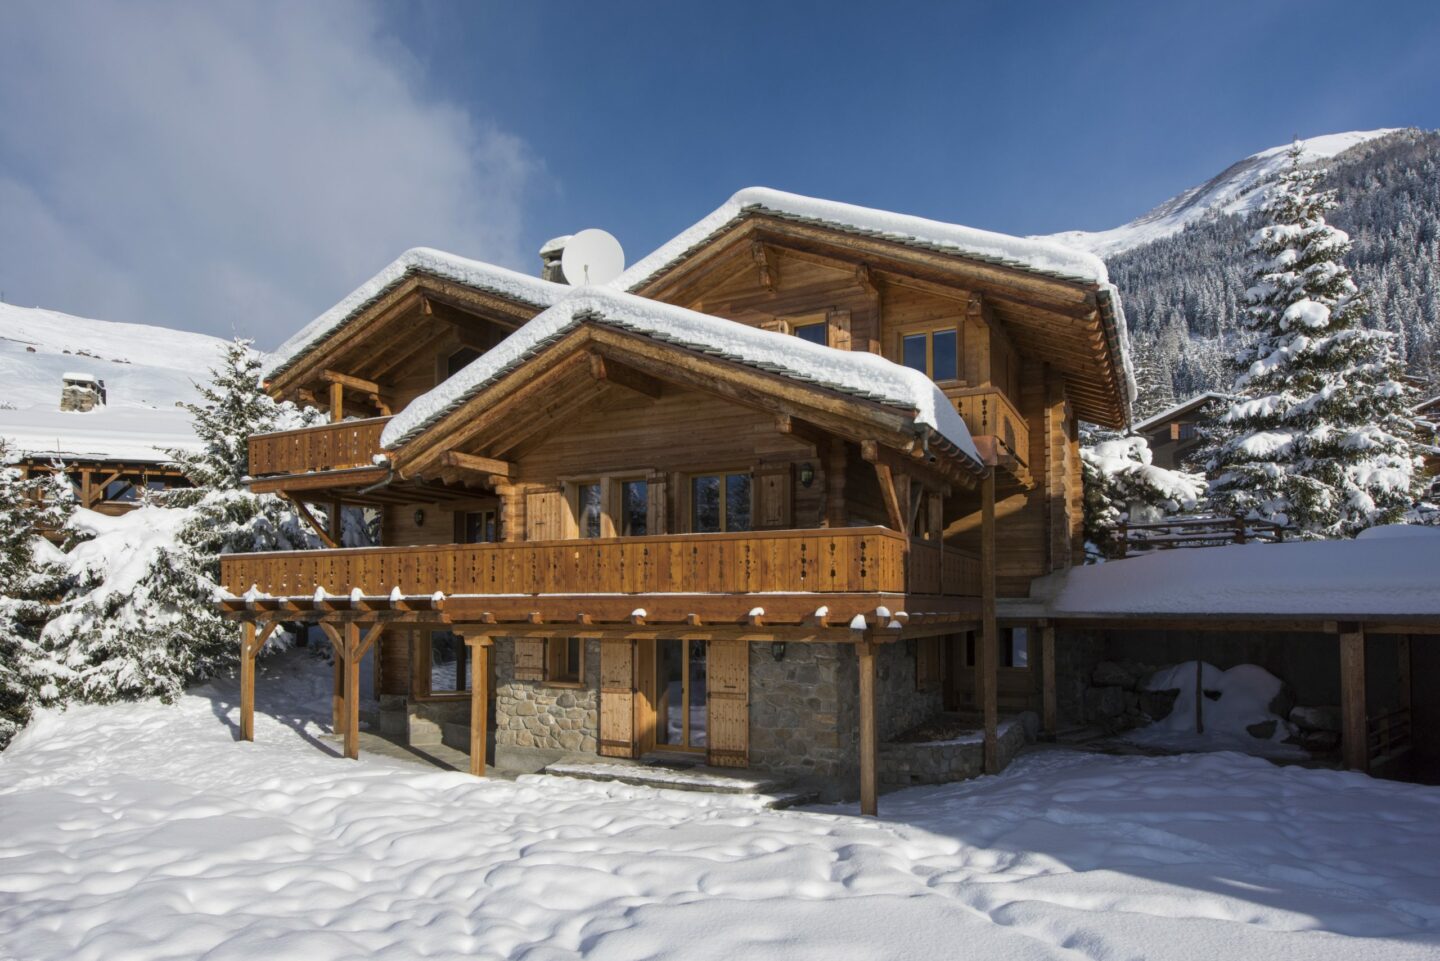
[(148, 371), (1235, 190)]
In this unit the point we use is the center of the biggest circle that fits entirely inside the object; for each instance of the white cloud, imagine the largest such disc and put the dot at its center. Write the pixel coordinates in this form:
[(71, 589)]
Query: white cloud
[(231, 166)]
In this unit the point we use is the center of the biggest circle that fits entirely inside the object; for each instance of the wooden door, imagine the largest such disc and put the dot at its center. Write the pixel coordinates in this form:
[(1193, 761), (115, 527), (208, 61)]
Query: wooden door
[(617, 698), (728, 701), (545, 512)]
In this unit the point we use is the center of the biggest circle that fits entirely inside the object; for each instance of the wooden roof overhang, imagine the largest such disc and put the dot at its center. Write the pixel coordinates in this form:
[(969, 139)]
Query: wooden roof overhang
[(801, 617), (591, 357), (408, 317), (1071, 325), (1229, 622), (369, 486)]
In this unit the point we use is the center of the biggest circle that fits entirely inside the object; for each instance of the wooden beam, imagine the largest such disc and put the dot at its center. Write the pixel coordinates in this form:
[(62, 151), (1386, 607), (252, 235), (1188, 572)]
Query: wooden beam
[(1354, 747), (869, 742), (479, 701), (988, 653), (354, 383), (610, 371), (325, 536), (1048, 706), (890, 495), (836, 512), (802, 430), (478, 464), (247, 683)]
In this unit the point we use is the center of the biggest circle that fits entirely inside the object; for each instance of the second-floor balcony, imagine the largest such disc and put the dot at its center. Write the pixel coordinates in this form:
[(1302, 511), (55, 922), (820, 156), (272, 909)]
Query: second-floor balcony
[(625, 573), (349, 446)]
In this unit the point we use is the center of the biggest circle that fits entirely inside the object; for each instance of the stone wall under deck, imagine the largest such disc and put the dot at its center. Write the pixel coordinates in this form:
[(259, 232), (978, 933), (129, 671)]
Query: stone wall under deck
[(538, 723)]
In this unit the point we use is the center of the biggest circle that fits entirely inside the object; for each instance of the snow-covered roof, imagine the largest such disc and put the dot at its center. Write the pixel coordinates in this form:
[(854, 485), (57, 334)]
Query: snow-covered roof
[(108, 433), (1385, 572), (862, 374), (1037, 255), (1184, 407), (509, 284), (88, 378), (555, 244)]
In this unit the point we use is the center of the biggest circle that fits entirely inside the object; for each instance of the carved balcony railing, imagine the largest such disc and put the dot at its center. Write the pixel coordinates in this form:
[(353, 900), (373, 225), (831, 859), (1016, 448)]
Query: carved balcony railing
[(990, 414), (329, 447)]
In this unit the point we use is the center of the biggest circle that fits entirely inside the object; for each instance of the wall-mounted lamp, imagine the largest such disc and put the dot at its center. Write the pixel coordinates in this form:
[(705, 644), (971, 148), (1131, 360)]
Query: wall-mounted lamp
[(419, 516), (807, 474), (777, 650)]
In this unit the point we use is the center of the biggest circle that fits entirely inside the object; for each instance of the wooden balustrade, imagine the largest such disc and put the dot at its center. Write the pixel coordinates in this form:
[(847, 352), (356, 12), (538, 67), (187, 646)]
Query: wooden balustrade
[(343, 446), (989, 413), (851, 560)]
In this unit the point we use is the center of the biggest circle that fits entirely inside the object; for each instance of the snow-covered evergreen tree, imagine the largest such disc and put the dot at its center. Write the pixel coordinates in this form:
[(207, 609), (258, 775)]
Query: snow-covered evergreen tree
[(1119, 478), (29, 577), (140, 616), (1319, 435)]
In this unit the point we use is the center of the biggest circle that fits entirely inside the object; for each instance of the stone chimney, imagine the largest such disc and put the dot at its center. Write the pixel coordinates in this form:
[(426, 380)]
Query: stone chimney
[(550, 253), (81, 393)]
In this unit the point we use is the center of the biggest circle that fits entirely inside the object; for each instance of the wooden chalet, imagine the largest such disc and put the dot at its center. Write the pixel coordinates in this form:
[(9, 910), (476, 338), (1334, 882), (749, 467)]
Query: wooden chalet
[(754, 503)]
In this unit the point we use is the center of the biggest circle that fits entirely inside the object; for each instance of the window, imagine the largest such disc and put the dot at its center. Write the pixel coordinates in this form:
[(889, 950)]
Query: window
[(816, 333), (719, 502), (1186, 431), (588, 508), (1014, 647), (481, 527), (934, 353), (634, 505), (448, 670), (565, 660), (459, 360)]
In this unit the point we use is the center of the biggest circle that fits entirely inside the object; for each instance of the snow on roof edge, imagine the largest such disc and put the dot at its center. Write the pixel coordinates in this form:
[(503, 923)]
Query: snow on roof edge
[(1180, 408), (864, 375), (1046, 257), (509, 284)]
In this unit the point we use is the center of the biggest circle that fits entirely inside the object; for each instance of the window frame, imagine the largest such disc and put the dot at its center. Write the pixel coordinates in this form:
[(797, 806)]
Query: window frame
[(928, 331), (425, 642), (722, 475), (557, 672), (823, 323)]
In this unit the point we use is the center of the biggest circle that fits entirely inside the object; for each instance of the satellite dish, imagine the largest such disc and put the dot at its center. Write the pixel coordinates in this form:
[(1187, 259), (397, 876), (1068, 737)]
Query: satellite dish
[(592, 257)]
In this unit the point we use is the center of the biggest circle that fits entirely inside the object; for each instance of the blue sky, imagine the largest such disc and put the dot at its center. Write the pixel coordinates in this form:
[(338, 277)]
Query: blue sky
[(240, 166)]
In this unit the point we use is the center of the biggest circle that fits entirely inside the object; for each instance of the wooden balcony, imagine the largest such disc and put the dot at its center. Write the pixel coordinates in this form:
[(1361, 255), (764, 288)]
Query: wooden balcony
[(999, 430), (329, 447), (848, 561)]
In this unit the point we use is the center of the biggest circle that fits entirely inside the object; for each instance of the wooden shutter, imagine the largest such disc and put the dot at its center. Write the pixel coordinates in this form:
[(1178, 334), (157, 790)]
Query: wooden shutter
[(545, 514), (529, 659), (727, 684), (838, 323), (656, 509), (772, 497), (617, 699)]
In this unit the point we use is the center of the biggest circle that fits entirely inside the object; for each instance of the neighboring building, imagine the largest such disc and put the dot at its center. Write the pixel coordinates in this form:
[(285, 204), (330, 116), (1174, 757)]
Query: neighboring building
[(1174, 433), (769, 534)]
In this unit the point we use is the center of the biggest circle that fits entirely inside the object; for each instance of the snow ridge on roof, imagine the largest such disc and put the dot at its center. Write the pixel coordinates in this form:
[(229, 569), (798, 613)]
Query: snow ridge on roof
[(862, 374), (462, 270), (1180, 408), (1037, 255)]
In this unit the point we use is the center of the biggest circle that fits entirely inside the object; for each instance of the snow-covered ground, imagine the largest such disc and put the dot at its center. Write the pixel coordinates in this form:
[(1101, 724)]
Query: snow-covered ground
[(145, 831), (147, 371)]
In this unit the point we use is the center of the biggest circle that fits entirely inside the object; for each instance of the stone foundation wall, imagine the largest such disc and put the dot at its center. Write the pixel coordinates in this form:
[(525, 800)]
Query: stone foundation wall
[(798, 707), (940, 762), (543, 720)]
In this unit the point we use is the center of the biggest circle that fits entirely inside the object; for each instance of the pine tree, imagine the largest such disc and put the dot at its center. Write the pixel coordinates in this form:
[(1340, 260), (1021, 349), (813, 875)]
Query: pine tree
[(140, 618), (28, 578), (1319, 436)]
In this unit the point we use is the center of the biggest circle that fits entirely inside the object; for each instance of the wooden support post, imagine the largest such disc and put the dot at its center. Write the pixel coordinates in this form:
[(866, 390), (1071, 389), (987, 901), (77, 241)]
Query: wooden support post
[(479, 702), (1353, 741), (869, 745), (352, 690), (988, 654), (337, 696), (247, 683), (337, 402), (1048, 708), (835, 511)]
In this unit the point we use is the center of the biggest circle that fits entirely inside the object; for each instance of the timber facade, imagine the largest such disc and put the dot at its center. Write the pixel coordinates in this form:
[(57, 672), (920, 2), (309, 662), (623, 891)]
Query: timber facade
[(606, 533)]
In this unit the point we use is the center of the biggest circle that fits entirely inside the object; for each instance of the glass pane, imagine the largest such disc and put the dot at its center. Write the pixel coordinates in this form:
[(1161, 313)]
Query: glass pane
[(447, 663), (737, 502), (669, 663), (705, 503), (474, 527), (947, 361), (635, 500), (1020, 647), (697, 694), (914, 352), (492, 531), (589, 510), (815, 333)]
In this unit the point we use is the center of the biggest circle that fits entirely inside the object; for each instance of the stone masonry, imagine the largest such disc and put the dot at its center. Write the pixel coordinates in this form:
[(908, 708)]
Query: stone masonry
[(536, 723)]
